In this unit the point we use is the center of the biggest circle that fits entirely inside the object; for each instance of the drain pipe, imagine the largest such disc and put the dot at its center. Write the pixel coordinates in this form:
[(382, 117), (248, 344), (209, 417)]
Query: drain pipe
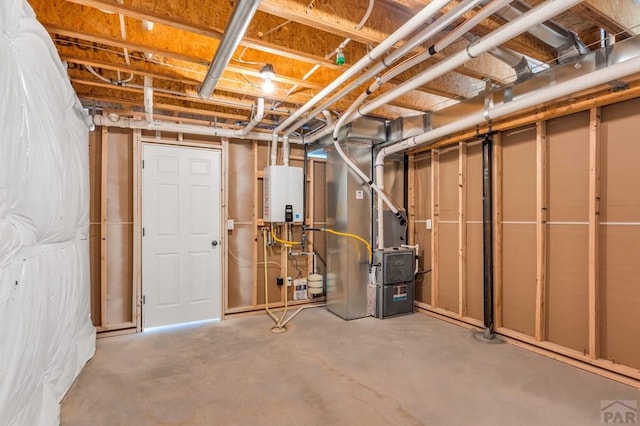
[(429, 32), (148, 99), (535, 98), (410, 26), (487, 232), (233, 33)]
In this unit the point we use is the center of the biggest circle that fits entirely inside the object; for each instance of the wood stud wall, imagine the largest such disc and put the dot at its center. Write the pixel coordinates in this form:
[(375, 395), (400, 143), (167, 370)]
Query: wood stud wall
[(556, 282), (538, 301), (116, 233)]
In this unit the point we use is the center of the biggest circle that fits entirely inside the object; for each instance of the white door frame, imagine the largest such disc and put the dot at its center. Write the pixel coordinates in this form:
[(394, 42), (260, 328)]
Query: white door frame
[(138, 140)]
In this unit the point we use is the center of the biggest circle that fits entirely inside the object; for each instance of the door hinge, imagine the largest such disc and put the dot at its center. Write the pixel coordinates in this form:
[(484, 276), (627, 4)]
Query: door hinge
[(143, 164), (143, 231), (144, 299)]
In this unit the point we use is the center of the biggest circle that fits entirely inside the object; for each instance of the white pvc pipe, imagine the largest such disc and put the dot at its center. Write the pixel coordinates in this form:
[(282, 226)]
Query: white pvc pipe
[(327, 117), (378, 187), (442, 43), (348, 117), (538, 97), (503, 34), (429, 32), (166, 126), (257, 118), (82, 112), (123, 34), (285, 150), (148, 99), (380, 206), (274, 149), (410, 26)]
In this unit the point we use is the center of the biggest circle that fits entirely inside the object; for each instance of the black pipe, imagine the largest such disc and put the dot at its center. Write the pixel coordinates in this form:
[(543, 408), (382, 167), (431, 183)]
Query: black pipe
[(405, 194), (304, 196), (487, 232)]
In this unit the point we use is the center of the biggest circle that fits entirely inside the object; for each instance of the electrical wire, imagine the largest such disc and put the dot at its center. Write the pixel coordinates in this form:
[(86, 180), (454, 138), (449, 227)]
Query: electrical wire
[(295, 262)]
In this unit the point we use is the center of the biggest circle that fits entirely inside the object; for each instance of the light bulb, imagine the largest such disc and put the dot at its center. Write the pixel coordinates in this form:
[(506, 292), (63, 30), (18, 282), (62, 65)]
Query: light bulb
[(267, 86)]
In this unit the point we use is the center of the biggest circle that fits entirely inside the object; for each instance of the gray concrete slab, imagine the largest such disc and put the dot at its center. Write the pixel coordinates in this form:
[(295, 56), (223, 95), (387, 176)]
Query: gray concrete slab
[(410, 370)]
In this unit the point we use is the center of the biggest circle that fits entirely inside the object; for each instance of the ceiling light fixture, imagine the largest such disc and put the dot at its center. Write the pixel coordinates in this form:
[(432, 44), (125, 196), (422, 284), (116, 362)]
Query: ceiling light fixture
[(267, 86), (147, 25), (267, 73)]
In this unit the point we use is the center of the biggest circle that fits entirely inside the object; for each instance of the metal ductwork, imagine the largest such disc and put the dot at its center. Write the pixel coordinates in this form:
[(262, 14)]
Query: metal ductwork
[(238, 24), (515, 60), (566, 44), (406, 127), (604, 66), (596, 60)]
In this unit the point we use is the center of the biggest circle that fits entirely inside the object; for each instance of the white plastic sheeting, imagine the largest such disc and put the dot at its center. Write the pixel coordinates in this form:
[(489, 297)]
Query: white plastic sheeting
[(46, 335)]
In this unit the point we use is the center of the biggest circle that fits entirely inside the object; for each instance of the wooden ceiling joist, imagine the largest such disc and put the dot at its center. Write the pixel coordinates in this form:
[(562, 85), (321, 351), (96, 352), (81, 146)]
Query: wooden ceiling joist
[(617, 17), (126, 100), (207, 27), (339, 17), (292, 35)]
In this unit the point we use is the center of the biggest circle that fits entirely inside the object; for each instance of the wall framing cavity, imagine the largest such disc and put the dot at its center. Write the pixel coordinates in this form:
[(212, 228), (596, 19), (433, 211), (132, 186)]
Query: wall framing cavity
[(116, 228), (566, 235)]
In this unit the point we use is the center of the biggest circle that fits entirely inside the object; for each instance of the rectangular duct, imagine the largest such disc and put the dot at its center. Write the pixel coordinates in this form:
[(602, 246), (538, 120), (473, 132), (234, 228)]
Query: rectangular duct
[(348, 210)]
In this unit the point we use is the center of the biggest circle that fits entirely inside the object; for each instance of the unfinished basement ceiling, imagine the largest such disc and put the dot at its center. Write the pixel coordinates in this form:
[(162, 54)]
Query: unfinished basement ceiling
[(110, 46)]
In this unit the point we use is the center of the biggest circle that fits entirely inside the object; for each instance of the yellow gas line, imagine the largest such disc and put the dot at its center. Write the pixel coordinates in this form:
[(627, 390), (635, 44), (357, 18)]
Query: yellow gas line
[(266, 278)]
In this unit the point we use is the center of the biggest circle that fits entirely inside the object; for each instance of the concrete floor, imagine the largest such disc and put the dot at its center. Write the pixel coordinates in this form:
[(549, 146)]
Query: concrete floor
[(410, 370)]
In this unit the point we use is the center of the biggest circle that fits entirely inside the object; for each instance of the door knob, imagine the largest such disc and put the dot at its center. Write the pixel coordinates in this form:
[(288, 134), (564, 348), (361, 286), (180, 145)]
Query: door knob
[(214, 243)]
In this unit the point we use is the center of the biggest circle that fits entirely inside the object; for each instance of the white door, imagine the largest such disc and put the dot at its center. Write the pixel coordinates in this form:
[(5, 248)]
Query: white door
[(181, 243)]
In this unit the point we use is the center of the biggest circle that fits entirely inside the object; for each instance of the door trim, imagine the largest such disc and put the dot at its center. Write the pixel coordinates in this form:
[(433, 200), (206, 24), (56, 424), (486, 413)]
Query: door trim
[(138, 140)]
